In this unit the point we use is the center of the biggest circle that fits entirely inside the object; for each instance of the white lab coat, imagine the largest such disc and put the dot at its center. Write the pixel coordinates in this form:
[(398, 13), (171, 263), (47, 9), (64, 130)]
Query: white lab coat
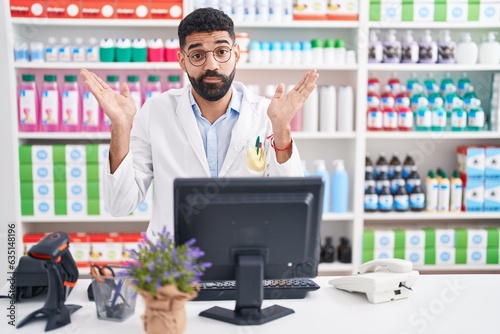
[(166, 144)]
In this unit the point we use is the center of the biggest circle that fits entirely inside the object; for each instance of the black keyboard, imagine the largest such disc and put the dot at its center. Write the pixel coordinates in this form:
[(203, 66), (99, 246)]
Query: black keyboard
[(294, 288)]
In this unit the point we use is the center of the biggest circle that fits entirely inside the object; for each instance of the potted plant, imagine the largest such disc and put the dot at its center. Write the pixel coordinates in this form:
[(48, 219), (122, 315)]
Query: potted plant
[(166, 276)]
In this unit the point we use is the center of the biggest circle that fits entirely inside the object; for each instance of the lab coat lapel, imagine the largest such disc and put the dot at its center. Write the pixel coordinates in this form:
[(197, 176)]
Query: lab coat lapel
[(240, 134), (188, 122)]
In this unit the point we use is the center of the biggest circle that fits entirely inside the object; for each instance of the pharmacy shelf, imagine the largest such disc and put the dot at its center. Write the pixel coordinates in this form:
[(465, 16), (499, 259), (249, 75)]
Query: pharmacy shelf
[(174, 23), (65, 135), (99, 65), (172, 66), (323, 135), (438, 135), (84, 219), (461, 268), (432, 67), (328, 269), (298, 67), (327, 217), (404, 216), (325, 24), (433, 25), (46, 22)]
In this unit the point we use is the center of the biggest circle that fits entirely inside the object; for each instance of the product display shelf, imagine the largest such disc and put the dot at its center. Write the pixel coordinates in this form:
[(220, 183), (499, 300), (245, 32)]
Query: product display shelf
[(84, 219), (323, 135), (352, 146), (433, 67), (335, 268), (434, 25), (65, 135), (457, 268), (41, 22), (425, 216), (438, 135), (99, 65)]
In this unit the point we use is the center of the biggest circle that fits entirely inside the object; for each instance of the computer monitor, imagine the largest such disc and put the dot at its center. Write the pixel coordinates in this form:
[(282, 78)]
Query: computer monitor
[(251, 229)]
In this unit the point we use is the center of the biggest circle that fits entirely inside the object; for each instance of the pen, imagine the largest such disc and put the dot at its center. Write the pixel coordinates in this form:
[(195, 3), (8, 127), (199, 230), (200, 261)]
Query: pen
[(257, 144)]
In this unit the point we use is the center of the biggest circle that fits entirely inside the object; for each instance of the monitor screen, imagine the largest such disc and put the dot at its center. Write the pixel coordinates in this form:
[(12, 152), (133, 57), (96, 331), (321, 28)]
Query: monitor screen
[(251, 229)]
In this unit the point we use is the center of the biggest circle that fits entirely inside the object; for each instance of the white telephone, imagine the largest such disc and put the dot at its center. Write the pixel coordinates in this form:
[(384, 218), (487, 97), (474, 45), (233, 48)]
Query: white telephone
[(382, 280)]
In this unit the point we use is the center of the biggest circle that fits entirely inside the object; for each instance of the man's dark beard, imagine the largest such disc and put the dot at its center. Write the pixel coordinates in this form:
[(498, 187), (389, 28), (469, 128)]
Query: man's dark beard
[(212, 91)]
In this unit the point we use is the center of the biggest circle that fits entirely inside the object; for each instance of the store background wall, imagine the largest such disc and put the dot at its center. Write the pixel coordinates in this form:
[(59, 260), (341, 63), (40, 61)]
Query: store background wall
[(8, 197)]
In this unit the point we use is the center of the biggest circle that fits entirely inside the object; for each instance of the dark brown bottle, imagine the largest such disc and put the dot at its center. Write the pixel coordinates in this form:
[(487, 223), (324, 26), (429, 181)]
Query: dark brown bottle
[(344, 251), (327, 251)]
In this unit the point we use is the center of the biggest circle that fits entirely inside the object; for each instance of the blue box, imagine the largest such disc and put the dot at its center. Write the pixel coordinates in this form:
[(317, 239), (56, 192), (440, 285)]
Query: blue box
[(492, 195)]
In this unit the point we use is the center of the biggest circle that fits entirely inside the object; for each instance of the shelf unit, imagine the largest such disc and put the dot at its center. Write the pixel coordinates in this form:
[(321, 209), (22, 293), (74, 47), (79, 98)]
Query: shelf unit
[(432, 148)]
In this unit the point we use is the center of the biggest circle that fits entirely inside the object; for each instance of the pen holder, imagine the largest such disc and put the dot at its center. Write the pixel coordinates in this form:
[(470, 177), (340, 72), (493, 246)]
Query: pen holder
[(114, 298)]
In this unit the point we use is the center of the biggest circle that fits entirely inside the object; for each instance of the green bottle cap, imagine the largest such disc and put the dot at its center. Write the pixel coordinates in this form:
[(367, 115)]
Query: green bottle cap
[(339, 43), (329, 43), (431, 174), (70, 78), (444, 176), (174, 78), (113, 78), (28, 77), (316, 43), (153, 78), (133, 78), (50, 78), (456, 174)]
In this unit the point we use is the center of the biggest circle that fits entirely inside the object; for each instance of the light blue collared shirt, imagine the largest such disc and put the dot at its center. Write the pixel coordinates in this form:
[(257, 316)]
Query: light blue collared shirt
[(216, 137)]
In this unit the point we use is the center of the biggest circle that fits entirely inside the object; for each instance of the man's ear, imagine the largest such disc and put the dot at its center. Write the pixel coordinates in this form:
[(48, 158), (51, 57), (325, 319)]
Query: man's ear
[(237, 52), (182, 60)]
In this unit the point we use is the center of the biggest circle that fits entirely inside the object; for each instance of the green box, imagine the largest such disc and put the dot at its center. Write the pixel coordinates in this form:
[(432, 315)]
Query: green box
[(92, 153), (399, 239), (430, 237), (60, 191), (430, 256), (27, 190), (460, 238), (26, 172), (93, 190), (493, 236), (60, 207), (399, 253), (369, 240), (93, 207), (25, 154), (460, 255), (93, 172), (492, 255), (59, 172), (27, 207), (368, 255), (59, 154)]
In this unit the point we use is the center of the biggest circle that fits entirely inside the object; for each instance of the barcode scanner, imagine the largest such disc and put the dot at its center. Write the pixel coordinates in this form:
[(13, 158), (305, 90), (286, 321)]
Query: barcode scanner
[(53, 250)]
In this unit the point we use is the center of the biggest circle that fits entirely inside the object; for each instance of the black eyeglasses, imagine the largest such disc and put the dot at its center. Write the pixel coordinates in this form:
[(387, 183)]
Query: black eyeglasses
[(198, 57)]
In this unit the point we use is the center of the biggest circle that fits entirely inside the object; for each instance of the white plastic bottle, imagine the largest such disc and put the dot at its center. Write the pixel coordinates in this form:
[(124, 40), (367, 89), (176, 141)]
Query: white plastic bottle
[(456, 187), (375, 50), (345, 110), (444, 194), (92, 53), (340, 187), (311, 112), (327, 108), (320, 170), (52, 50), (64, 50), (409, 49), (489, 51), (431, 192), (78, 52), (467, 50)]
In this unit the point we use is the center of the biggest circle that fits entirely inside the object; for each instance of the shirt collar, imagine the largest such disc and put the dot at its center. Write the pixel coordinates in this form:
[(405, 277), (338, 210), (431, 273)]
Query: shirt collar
[(234, 104)]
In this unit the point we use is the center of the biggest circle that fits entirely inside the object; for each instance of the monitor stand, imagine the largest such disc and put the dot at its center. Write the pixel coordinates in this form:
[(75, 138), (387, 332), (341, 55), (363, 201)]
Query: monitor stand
[(249, 295)]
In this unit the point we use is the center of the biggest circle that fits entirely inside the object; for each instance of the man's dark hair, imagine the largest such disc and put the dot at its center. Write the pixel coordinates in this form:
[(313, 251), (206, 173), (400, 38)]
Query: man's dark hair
[(204, 20)]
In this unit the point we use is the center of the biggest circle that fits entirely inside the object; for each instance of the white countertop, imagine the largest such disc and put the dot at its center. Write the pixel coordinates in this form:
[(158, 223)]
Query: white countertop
[(438, 304)]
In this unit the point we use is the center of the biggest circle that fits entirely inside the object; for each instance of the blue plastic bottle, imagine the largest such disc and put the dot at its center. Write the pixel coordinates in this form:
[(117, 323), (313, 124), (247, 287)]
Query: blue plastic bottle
[(340, 187), (320, 170)]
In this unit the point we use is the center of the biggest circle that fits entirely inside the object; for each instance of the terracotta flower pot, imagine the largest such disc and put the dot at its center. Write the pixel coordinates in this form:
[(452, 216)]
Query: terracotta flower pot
[(166, 313)]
